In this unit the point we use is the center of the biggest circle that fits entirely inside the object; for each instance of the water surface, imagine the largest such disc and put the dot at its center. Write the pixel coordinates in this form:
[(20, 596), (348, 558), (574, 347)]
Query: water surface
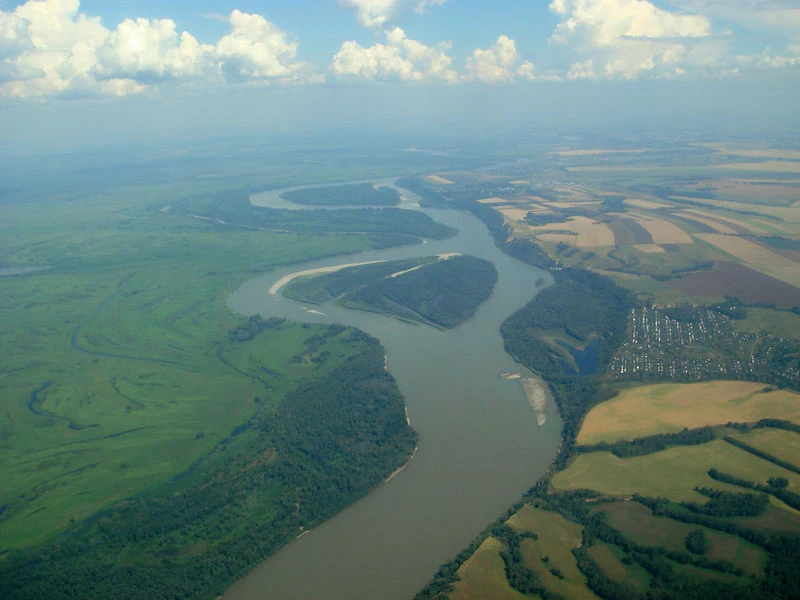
[(480, 446)]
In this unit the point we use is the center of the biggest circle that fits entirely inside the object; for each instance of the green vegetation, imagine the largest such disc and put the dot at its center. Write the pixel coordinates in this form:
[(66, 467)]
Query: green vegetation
[(354, 194), (385, 227), (149, 434), (325, 445), (441, 293), (316, 289)]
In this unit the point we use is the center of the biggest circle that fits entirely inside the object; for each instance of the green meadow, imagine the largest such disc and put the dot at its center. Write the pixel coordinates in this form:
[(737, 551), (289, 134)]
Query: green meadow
[(118, 372)]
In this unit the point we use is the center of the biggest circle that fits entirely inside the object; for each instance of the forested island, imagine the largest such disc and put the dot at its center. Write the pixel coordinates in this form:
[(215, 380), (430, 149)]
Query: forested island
[(442, 292), (352, 194)]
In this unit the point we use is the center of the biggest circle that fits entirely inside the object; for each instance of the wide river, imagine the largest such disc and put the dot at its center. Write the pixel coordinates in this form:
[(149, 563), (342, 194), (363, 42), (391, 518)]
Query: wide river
[(480, 447)]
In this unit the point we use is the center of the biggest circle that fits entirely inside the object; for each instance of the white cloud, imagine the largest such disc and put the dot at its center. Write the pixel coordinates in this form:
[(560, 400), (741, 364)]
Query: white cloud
[(255, 48), (151, 50), (495, 64), (49, 48), (773, 17), (376, 14), (581, 70), (400, 58), (627, 37), (765, 60)]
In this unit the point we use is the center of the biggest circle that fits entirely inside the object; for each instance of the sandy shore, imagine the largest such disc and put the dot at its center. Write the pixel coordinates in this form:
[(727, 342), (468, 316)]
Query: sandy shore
[(400, 470), (537, 398), (287, 278)]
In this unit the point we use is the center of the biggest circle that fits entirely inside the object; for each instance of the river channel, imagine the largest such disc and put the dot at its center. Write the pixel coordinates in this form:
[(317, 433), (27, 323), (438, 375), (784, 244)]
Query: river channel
[(481, 445)]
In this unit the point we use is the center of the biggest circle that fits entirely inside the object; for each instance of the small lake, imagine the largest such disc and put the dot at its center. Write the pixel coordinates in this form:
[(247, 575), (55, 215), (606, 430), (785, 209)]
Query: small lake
[(480, 445)]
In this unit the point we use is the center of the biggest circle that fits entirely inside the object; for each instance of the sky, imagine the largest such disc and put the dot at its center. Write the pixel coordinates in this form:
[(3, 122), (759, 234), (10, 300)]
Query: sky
[(73, 72)]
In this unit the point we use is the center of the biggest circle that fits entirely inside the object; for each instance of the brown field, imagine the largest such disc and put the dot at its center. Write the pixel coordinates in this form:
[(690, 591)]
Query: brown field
[(595, 152), (714, 224), (519, 182), (646, 204), (438, 179), (649, 248), (669, 407), (774, 166), (787, 214), (662, 232), (483, 576), (638, 524), (493, 201), (746, 251), (729, 278), (757, 256), (729, 221)]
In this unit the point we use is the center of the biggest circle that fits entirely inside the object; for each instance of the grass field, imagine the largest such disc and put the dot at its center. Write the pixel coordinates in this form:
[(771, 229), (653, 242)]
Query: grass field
[(117, 370), (556, 539), (483, 576), (671, 473), (669, 407), (783, 444), (764, 320), (609, 558), (639, 525)]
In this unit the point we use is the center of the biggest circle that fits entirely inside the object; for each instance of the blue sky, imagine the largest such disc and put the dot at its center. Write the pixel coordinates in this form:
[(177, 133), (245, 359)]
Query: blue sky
[(67, 54)]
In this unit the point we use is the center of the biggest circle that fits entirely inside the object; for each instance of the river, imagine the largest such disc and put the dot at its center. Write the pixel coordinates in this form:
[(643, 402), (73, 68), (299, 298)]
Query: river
[(480, 444)]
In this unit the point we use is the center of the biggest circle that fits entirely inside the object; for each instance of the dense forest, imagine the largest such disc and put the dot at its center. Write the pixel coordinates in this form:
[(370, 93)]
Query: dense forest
[(352, 194), (324, 446), (438, 292), (444, 293), (320, 288), (386, 226)]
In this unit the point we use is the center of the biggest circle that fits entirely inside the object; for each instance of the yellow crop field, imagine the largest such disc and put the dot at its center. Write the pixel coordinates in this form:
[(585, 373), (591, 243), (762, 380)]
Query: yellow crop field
[(518, 214), (774, 166), (662, 232), (591, 233), (694, 213), (747, 251), (756, 256), (715, 225), (789, 214), (649, 248), (646, 204), (669, 407), (595, 152), (437, 179), (493, 201), (673, 473)]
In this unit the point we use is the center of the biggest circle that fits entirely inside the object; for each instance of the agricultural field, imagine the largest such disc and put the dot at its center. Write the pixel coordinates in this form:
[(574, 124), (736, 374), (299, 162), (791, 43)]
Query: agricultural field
[(673, 473), (669, 407)]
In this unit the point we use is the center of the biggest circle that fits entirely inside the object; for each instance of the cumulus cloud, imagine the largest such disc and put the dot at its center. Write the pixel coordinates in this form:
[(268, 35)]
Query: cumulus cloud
[(49, 48), (376, 14), (627, 37), (766, 60), (495, 64), (581, 70), (400, 59)]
